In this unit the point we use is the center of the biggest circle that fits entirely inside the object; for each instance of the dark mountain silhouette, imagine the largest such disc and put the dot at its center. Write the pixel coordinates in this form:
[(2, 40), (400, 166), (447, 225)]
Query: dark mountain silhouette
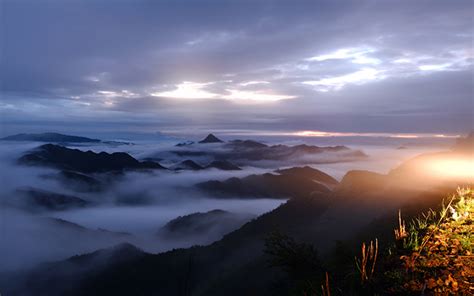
[(203, 223), (79, 182), (310, 173), (85, 162), (70, 226), (170, 273), (183, 144), (211, 139), (241, 151), (223, 165), (50, 137), (236, 264), (187, 165), (358, 181), (245, 144), (194, 166), (55, 279), (295, 182), (36, 199)]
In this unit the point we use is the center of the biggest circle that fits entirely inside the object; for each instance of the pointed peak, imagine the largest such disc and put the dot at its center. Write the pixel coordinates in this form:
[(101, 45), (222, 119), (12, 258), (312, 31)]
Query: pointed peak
[(211, 139)]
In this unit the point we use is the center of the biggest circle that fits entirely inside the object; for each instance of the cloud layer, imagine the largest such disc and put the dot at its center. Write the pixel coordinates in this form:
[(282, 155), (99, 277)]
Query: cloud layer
[(304, 65)]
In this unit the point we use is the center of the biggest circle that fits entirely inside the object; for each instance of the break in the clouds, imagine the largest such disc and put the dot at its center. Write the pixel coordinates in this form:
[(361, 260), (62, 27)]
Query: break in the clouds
[(347, 66)]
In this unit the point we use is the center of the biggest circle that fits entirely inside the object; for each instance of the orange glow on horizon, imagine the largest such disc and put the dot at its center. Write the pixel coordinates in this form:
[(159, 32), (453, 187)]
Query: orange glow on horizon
[(316, 133)]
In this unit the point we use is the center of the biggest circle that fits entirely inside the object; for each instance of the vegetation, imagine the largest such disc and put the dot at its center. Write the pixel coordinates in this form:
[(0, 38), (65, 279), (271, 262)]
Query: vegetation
[(366, 264), (299, 260), (431, 255), (436, 254)]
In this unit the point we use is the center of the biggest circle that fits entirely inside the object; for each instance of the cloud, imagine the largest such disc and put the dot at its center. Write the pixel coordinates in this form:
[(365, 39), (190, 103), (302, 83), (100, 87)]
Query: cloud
[(187, 90), (362, 76), (97, 61)]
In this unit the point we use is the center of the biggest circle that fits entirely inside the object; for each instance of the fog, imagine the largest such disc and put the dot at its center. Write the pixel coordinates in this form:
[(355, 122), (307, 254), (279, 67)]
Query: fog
[(135, 206)]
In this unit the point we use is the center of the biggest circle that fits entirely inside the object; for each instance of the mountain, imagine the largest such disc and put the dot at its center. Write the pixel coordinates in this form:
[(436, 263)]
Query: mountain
[(358, 181), (213, 224), (79, 182), (223, 165), (187, 165), (50, 137), (76, 269), (183, 144), (197, 270), (36, 199), (309, 173), (241, 152), (245, 144), (70, 226), (211, 139), (359, 207), (295, 182), (84, 161), (193, 166)]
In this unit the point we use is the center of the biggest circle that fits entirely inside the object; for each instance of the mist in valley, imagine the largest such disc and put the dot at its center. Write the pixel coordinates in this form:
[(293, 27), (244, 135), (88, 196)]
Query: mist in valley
[(134, 206)]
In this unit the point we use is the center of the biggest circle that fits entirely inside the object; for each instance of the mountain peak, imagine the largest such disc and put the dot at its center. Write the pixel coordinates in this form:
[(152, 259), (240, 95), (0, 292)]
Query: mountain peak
[(211, 139)]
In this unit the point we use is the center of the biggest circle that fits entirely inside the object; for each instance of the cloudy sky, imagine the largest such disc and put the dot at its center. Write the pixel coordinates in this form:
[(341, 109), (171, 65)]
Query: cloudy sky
[(270, 66)]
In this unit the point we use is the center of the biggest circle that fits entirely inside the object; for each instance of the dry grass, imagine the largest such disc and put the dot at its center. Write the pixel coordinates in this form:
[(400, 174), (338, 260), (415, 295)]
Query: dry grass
[(366, 264), (444, 264), (401, 232), (326, 291)]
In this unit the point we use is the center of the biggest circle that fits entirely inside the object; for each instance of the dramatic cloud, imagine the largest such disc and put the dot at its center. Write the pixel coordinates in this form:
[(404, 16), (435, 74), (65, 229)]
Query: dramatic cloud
[(269, 65)]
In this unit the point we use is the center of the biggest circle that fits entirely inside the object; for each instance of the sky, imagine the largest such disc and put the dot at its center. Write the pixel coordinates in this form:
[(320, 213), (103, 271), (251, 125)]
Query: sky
[(369, 67)]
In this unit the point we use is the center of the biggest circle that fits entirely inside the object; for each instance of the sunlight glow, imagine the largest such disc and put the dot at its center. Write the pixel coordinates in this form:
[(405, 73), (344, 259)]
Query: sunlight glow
[(385, 135), (254, 82), (193, 90), (254, 96), (439, 67), (187, 90), (335, 83), (116, 94), (453, 167), (357, 55)]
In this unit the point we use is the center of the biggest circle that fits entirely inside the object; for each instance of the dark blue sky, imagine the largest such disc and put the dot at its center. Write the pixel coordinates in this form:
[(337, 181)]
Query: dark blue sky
[(346, 66)]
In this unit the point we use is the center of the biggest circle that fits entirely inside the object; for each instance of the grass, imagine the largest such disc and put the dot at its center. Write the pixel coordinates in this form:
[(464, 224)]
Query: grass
[(366, 264), (431, 255), (436, 253)]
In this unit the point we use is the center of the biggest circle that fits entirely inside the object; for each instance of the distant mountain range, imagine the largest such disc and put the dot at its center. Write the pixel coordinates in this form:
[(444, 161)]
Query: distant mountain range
[(332, 216), (33, 199), (84, 161), (58, 138), (50, 137), (242, 152), (216, 164)]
